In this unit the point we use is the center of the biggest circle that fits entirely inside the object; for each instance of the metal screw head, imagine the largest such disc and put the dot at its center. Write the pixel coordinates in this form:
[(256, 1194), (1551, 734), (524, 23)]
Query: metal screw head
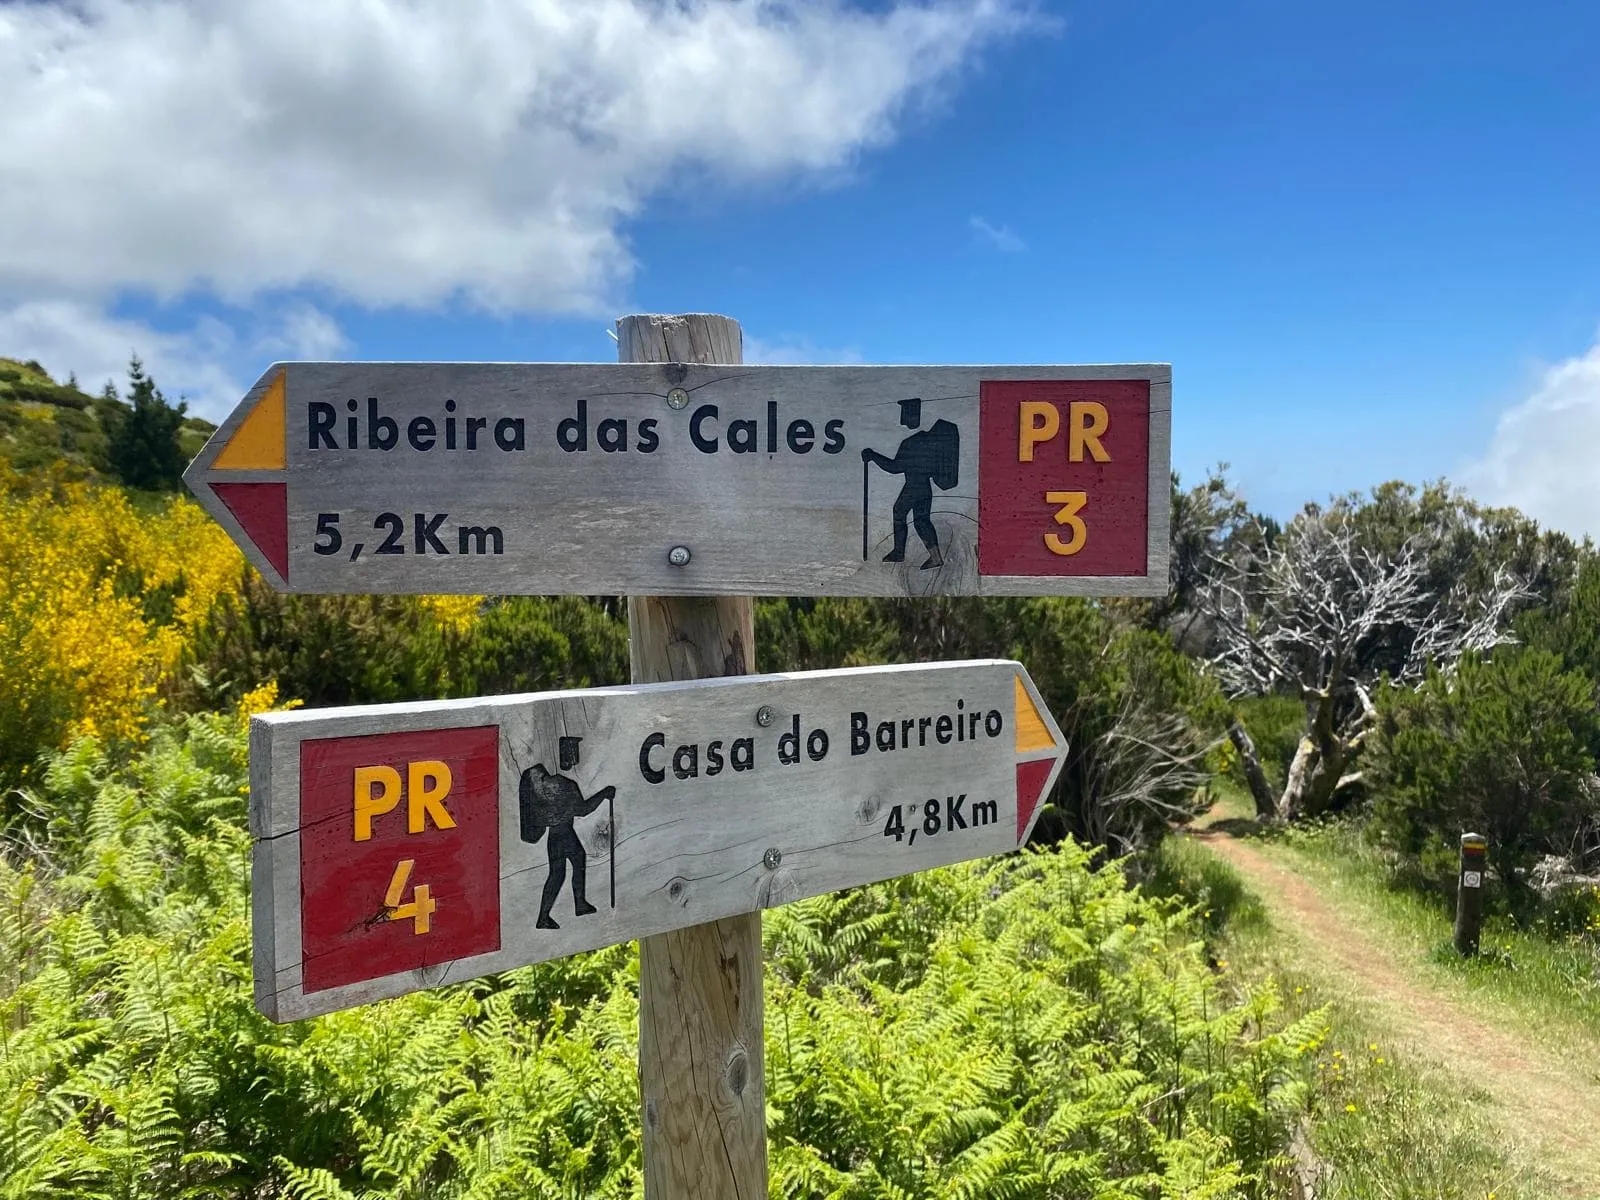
[(678, 556), (772, 858), (764, 715), (677, 398)]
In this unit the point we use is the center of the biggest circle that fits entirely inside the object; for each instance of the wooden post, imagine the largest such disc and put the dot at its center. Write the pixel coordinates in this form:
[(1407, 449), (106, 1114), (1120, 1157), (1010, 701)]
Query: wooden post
[(701, 1073), (1469, 892)]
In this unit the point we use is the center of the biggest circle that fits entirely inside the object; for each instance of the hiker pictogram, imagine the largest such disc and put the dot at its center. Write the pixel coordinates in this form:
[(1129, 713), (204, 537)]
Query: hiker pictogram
[(927, 459), (552, 802)]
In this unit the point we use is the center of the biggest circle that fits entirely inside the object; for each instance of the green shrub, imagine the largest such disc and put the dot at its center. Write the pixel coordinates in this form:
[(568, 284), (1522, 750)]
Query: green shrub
[(1501, 748), (319, 649), (365, 649), (538, 643), (1570, 627)]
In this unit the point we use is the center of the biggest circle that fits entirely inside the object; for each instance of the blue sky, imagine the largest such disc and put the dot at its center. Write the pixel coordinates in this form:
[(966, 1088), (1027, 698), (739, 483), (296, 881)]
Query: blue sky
[(1366, 236)]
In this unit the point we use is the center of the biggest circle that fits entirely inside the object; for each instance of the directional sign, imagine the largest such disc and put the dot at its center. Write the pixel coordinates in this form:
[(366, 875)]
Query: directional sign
[(404, 846), (670, 479)]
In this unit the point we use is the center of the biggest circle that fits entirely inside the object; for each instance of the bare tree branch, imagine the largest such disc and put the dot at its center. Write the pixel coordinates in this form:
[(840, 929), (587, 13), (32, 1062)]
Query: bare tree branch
[(1329, 619)]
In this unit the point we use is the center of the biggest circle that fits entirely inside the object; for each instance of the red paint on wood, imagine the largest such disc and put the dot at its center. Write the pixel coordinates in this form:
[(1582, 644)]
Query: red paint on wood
[(1031, 777), (343, 882), (1013, 514), (262, 510)]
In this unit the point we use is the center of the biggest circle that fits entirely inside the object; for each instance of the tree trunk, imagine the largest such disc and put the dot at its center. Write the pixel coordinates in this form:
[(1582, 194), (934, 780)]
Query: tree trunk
[(1298, 783), (1260, 789), (1318, 765)]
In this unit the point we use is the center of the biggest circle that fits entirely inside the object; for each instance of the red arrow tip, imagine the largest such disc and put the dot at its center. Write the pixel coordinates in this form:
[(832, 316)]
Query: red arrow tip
[(1031, 778), (262, 510)]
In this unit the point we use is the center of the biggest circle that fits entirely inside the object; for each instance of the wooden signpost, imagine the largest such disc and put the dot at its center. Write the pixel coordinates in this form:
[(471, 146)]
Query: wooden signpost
[(405, 846), (674, 478)]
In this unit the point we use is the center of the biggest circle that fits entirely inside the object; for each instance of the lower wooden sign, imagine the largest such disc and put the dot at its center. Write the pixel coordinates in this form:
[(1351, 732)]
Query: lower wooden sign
[(405, 846)]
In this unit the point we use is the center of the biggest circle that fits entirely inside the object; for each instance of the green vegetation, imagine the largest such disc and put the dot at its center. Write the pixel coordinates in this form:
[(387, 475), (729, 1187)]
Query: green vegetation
[(1383, 1121), (45, 424), (143, 448), (324, 650), (1027, 1028), (1501, 748), (1542, 977)]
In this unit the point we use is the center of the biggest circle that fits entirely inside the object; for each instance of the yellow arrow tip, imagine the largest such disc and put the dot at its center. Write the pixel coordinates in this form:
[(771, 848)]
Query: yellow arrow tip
[(257, 445), (1032, 733)]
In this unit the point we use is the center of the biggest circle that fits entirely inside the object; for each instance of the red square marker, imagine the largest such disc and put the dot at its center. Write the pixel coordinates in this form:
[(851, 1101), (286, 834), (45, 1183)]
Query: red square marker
[(370, 805), (1032, 496)]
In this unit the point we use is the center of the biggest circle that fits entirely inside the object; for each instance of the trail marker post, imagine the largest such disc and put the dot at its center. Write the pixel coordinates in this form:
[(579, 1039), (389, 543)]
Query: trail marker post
[(400, 847), (702, 1072), (1469, 892)]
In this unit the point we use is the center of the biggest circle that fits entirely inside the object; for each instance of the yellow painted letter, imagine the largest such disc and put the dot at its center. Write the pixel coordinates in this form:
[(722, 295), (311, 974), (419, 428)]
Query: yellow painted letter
[(1089, 420), (423, 801), (387, 779), (1071, 505), (422, 904), (1040, 422)]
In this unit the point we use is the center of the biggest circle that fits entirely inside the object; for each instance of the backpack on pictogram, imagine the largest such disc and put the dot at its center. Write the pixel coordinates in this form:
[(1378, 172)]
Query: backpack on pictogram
[(946, 439)]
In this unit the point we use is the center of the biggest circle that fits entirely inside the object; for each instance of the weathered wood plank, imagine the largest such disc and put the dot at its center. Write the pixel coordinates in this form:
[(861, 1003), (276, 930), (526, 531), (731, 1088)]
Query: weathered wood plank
[(583, 478), (702, 1076), (714, 813)]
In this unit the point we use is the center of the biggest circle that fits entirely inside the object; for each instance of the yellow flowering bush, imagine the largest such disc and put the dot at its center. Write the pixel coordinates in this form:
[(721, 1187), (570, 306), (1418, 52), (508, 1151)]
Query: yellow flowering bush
[(99, 598), (110, 602), (457, 614)]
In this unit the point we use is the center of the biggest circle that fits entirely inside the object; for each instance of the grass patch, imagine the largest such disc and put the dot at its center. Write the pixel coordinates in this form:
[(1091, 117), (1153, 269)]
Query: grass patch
[(1383, 1128), (1548, 985), (1186, 870), (1388, 1127)]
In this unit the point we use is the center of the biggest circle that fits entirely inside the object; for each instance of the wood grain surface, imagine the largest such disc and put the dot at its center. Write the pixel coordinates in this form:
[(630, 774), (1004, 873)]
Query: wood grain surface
[(686, 836), (702, 1073), (583, 478)]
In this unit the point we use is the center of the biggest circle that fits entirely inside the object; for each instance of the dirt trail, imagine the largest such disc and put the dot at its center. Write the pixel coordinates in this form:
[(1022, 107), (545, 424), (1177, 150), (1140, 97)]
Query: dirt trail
[(1550, 1107)]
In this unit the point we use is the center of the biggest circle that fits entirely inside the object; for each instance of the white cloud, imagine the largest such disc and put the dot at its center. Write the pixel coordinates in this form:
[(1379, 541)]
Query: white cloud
[(395, 153), (998, 236), (70, 337), (303, 332), (74, 337), (788, 350), (1545, 451)]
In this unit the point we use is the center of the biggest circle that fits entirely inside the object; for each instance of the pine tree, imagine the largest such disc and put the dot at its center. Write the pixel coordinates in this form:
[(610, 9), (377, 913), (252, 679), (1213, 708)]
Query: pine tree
[(143, 433)]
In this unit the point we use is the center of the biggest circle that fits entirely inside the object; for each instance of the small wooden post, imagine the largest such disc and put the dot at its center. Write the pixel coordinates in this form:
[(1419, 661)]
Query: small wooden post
[(1469, 892), (701, 1073)]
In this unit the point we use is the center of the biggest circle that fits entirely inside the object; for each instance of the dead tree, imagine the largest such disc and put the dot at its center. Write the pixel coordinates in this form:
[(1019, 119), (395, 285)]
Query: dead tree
[(1143, 774), (1322, 617)]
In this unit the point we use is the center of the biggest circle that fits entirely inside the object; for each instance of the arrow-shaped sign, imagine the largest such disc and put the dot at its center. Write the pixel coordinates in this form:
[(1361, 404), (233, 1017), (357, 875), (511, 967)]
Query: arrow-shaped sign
[(411, 845), (667, 479)]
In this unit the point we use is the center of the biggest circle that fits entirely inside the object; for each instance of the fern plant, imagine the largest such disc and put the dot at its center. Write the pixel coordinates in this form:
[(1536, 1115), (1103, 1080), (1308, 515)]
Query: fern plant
[(1027, 1027)]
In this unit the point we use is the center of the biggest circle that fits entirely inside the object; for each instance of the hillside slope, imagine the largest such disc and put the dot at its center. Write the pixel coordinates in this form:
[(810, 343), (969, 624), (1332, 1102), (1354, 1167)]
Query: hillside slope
[(44, 423)]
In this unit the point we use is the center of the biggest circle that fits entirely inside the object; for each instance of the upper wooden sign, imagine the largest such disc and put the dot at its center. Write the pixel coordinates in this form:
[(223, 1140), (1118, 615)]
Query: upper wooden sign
[(668, 479), (403, 846)]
